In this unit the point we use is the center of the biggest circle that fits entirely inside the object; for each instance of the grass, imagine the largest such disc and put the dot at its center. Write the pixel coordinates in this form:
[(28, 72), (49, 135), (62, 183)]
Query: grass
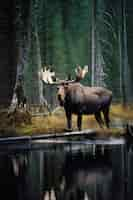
[(117, 110), (24, 124)]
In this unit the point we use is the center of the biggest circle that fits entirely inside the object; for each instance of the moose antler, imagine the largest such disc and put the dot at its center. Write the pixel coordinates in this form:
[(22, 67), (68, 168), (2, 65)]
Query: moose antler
[(80, 73), (46, 75)]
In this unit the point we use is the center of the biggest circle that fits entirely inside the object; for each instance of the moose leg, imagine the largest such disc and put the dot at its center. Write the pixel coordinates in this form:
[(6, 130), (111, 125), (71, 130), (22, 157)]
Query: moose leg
[(99, 119), (69, 120), (106, 116), (79, 122), (24, 102)]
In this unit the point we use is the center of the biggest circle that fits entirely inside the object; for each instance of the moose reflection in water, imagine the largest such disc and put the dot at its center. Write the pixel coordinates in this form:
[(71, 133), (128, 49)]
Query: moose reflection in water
[(86, 178), (78, 177)]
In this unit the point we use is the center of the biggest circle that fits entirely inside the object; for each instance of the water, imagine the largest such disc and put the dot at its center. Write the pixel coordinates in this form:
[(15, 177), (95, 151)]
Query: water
[(57, 169)]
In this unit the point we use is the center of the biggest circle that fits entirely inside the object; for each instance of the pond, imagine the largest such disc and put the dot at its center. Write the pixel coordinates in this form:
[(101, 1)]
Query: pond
[(62, 169)]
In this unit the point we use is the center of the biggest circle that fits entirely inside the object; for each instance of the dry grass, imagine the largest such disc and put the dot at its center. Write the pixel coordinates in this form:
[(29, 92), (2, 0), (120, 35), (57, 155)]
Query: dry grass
[(125, 112), (56, 123)]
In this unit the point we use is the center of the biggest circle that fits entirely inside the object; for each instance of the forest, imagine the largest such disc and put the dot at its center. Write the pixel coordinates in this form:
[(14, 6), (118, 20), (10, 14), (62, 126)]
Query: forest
[(63, 34)]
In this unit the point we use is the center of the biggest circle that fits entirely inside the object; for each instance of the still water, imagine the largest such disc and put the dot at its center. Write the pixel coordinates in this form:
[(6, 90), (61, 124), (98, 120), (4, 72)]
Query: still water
[(58, 169)]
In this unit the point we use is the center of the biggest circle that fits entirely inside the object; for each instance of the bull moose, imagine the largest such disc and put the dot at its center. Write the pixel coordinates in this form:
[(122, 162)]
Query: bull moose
[(78, 99), (83, 100)]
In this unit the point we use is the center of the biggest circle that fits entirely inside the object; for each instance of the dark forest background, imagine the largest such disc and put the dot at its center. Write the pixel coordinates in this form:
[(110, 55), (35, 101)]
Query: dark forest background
[(97, 33)]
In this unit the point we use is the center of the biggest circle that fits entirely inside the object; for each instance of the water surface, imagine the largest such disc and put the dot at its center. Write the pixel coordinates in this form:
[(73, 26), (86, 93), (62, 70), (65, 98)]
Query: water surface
[(50, 169)]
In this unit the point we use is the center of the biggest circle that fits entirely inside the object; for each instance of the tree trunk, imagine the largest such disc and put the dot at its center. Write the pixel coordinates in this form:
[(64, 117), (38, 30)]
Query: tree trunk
[(33, 83), (39, 66), (124, 54), (22, 43), (93, 45), (120, 49)]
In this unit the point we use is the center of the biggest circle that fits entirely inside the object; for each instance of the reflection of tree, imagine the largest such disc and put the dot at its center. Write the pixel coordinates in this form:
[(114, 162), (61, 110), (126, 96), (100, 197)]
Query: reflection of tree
[(20, 168), (13, 177)]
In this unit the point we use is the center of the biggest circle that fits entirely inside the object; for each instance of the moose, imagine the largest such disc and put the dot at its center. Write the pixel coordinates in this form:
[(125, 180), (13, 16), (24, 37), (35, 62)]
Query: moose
[(84, 100), (78, 99)]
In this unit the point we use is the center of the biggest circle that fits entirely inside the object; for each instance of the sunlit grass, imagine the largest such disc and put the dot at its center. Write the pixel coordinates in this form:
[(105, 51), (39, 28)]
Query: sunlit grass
[(56, 123)]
